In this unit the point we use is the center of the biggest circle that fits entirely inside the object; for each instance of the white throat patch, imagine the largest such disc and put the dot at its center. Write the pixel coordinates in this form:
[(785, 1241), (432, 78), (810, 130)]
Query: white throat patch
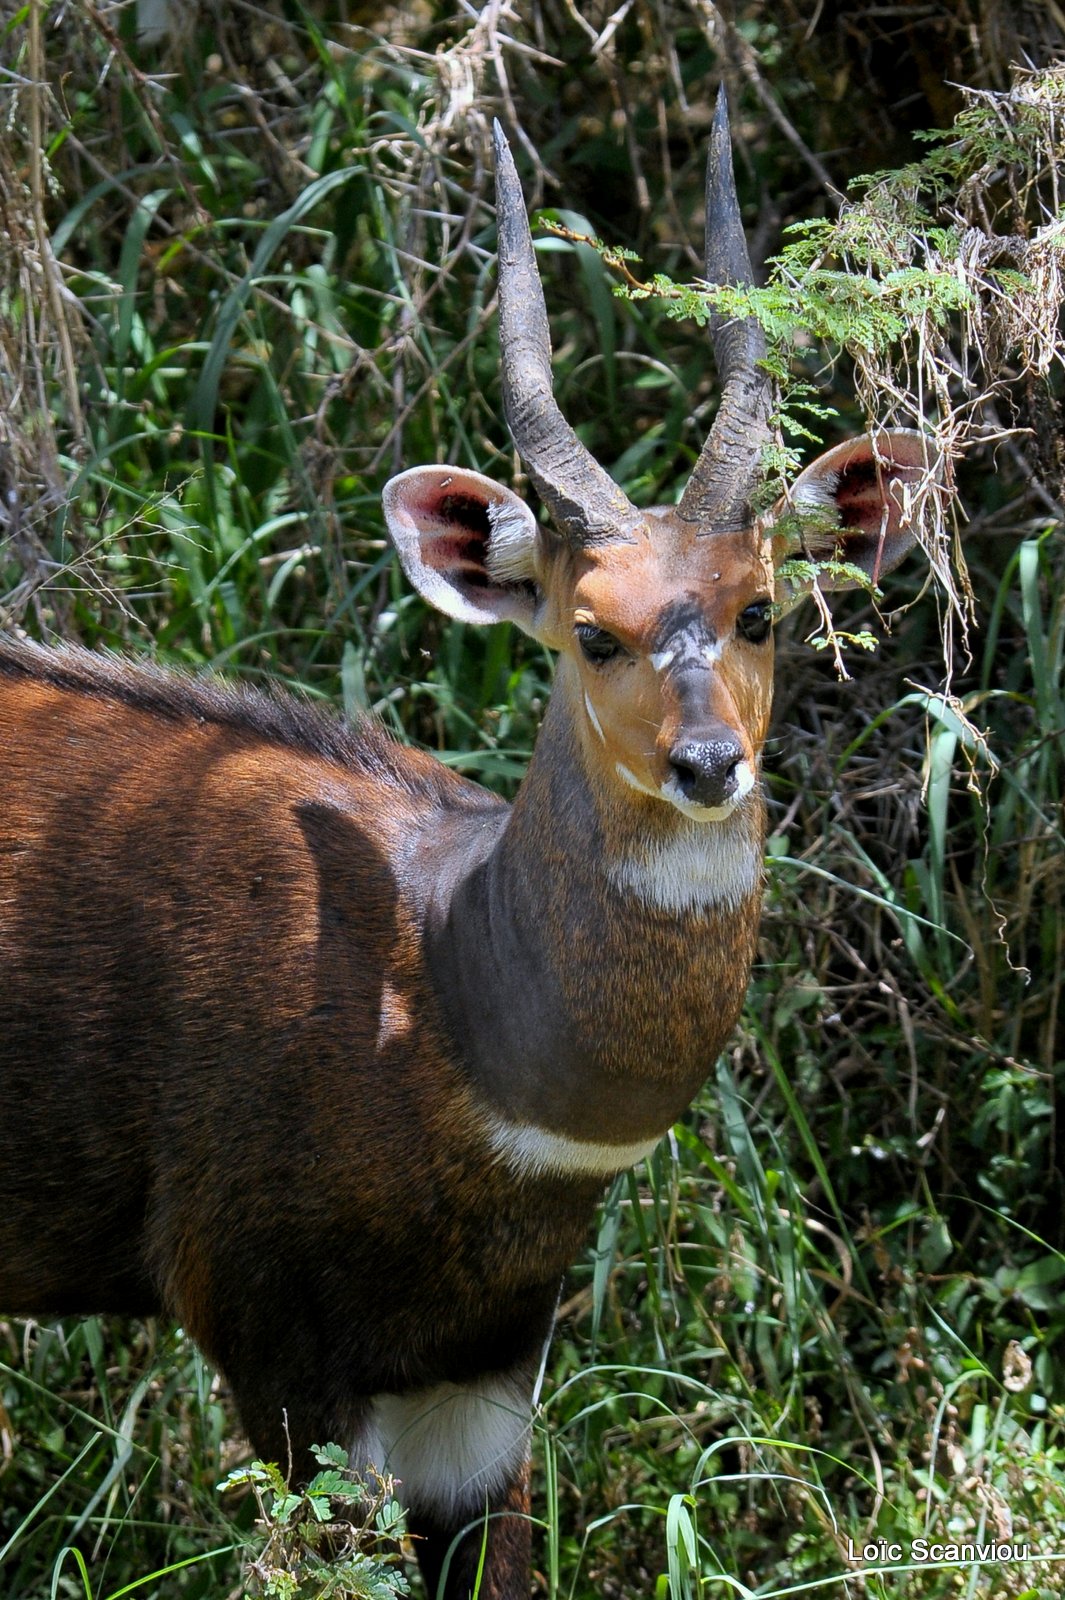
[(699, 866)]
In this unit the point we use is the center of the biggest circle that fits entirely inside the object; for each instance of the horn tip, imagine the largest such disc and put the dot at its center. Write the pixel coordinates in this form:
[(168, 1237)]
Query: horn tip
[(509, 199), (720, 133)]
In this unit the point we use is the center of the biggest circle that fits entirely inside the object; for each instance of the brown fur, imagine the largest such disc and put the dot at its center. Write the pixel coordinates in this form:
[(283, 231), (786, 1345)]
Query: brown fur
[(285, 1008), (232, 1087)]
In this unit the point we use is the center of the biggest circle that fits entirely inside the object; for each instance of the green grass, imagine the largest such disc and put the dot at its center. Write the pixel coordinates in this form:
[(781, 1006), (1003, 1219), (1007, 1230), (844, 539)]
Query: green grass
[(829, 1310)]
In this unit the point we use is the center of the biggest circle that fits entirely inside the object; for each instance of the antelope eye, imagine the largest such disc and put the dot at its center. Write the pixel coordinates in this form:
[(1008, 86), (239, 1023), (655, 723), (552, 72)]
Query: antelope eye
[(596, 644), (755, 622)]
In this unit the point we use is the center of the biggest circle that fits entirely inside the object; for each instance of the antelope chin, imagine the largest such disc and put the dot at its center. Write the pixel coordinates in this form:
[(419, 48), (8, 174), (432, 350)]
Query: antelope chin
[(700, 813), (671, 792)]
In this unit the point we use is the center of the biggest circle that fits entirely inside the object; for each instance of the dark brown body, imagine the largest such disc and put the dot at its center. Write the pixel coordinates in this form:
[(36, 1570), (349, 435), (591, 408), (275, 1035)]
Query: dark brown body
[(229, 1087)]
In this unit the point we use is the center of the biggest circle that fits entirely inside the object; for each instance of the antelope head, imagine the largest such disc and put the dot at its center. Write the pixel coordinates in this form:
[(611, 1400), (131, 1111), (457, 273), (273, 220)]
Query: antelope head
[(663, 617)]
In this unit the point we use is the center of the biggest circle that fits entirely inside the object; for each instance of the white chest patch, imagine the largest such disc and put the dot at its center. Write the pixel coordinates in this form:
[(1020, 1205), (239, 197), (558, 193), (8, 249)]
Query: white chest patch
[(701, 865), (452, 1445), (532, 1152)]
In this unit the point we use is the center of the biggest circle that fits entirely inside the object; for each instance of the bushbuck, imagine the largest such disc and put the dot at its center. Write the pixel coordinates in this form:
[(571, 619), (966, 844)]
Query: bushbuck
[(327, 1052)]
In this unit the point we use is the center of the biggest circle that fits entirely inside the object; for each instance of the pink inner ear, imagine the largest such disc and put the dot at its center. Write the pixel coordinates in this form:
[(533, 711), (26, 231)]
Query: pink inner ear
[(458, 544), (444, 522), (864, 485), (864, 477), (454, 528)]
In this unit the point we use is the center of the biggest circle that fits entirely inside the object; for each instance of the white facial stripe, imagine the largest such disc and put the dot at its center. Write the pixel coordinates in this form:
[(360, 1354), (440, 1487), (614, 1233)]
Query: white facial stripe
[(661, 659), (634, 783), (451, 1445), (593, 719), (701, 867), (533, 1152)]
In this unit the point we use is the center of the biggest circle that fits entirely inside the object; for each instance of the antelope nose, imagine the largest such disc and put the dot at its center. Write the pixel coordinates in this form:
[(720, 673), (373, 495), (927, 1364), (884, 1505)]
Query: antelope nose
[(706, 771)]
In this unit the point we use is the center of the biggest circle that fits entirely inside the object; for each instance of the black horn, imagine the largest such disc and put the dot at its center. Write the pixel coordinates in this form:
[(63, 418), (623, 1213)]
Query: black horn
[(585, 503), (719, 490)]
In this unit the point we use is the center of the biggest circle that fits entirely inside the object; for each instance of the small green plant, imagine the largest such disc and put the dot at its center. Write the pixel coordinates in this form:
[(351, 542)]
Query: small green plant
[(331, 1538)]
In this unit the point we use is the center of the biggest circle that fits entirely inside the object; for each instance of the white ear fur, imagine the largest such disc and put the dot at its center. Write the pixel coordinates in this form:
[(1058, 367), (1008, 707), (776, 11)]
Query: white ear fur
[(468, 545), (855, 498), (512, 543)]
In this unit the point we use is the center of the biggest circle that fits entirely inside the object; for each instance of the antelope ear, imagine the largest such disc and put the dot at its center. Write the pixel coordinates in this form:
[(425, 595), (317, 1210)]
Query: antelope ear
[(851, 505), (468, 545)]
